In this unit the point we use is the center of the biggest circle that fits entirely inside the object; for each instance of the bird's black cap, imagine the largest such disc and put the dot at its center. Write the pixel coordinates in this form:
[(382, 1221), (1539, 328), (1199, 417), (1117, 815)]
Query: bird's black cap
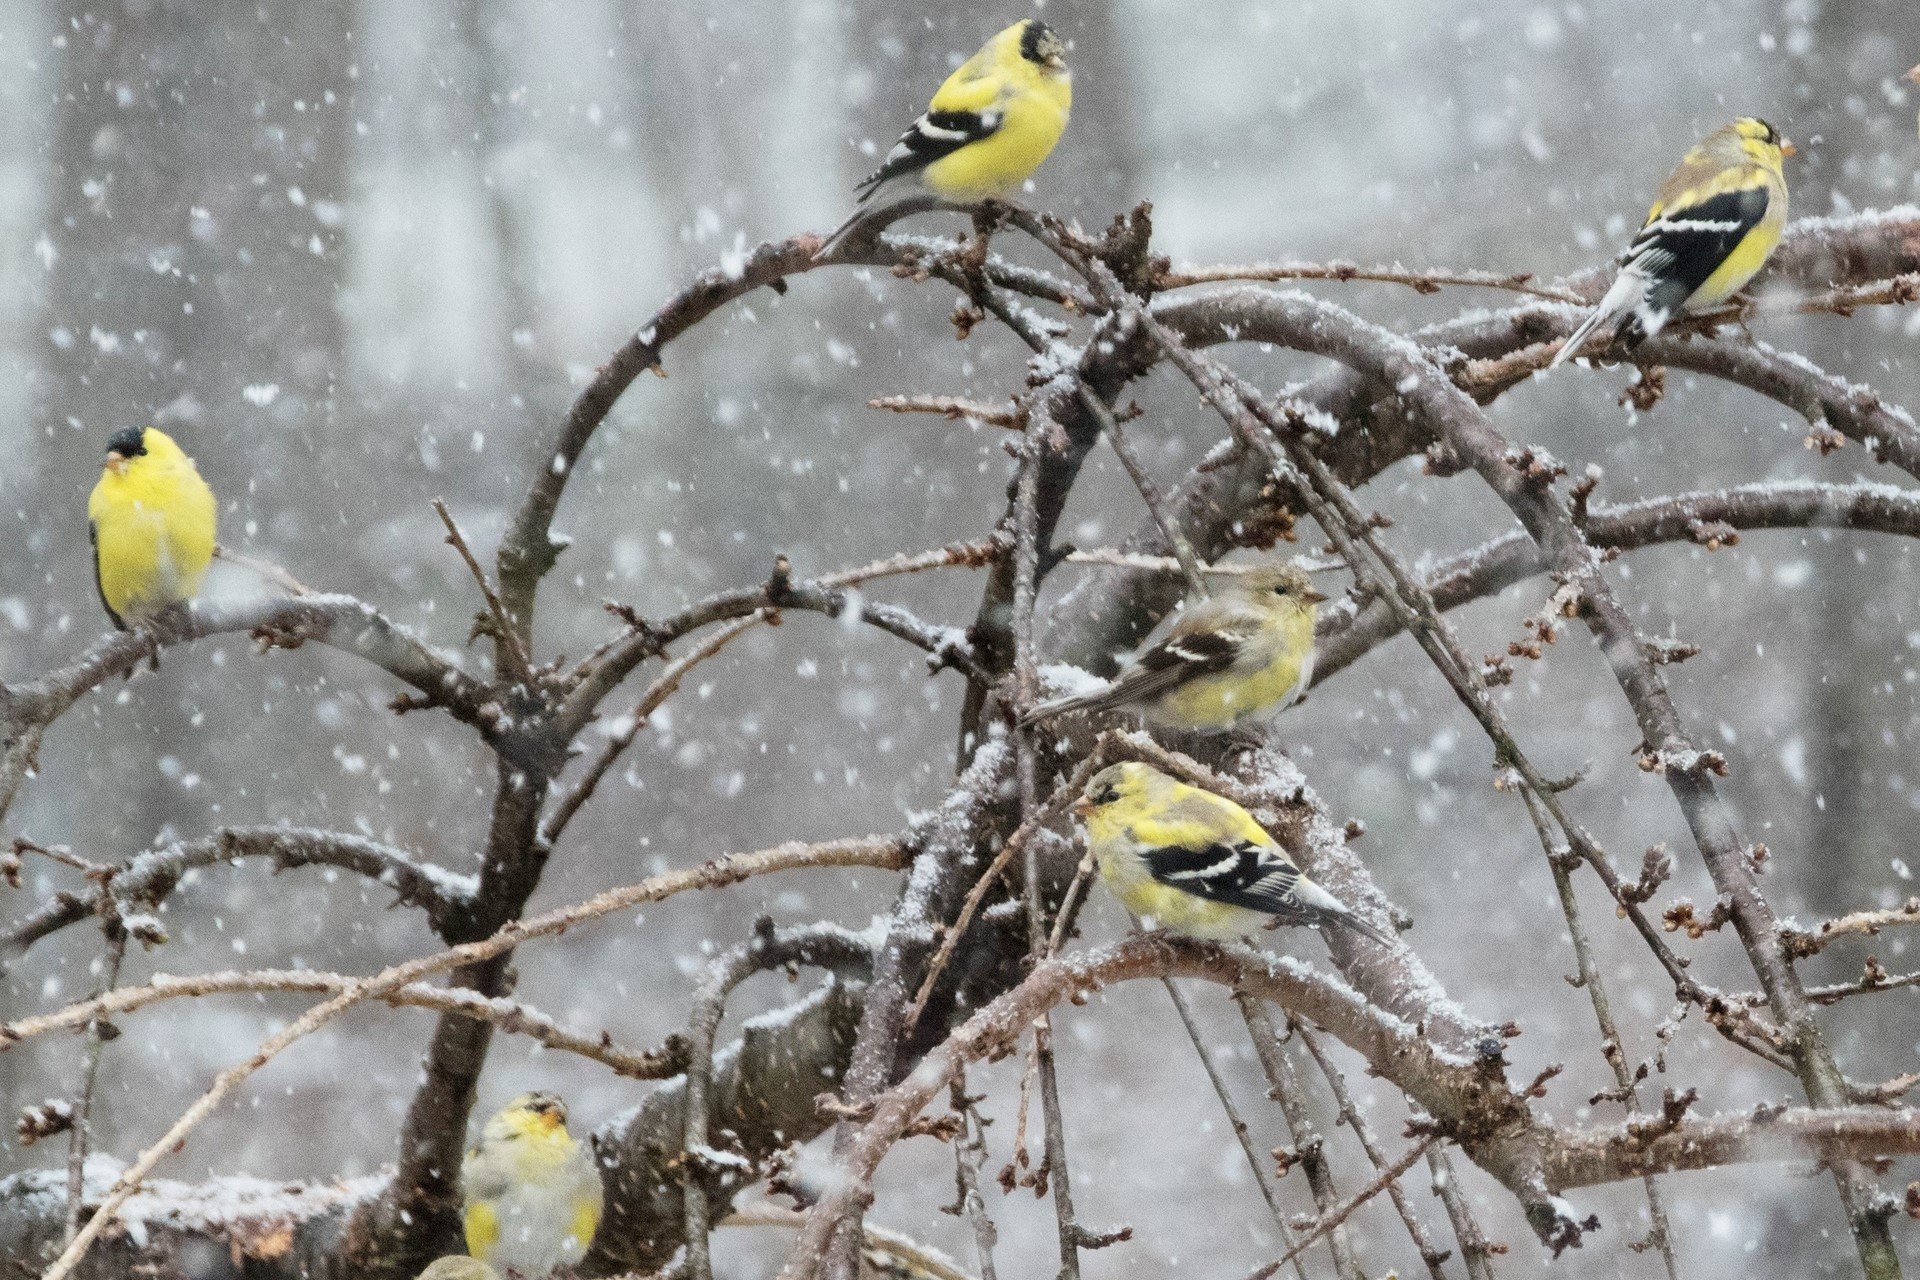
[(130, 443), (1037, 41)]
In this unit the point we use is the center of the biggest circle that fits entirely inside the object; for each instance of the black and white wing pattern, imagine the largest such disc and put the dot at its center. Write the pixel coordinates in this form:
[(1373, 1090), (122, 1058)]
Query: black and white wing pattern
[(1675, 253), (934, 136), (1256, 877), (1240, 874)]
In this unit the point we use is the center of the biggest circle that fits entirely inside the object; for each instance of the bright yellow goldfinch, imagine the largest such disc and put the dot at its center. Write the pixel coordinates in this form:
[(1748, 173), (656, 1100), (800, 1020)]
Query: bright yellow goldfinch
[(458, 1268), (1714, 224), (531, 1189), (1233, 657), (1191, 862), (152, 520), (992, 123)]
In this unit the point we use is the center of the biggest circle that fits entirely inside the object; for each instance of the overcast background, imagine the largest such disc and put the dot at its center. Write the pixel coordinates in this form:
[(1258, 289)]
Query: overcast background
[(357, 257)]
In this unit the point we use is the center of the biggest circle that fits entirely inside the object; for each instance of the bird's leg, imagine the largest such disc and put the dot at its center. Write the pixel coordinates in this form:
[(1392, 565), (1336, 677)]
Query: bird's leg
[(149, 637), (972, 260)]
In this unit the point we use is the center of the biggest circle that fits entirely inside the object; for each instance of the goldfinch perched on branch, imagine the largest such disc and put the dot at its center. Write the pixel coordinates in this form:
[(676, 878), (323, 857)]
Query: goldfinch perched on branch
[(1236, 656), (1192, 862), (458, 1268), (532, 1192), (152, 520), (992, 123), (1714, 225)]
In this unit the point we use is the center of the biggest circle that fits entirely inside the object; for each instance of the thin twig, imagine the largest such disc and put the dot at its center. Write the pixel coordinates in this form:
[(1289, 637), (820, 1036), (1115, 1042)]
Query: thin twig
[(265, 569), (1308, 1146), (1418, 281), (663, 687), (81, 1133), (1149, 491), (510, 1016), (969, 1155), (873, 851), (1331, 1221), (1612, 1047), (1008, 415), (1241, 1133), (503, 631), (1430, 1253), (1475, 1249)]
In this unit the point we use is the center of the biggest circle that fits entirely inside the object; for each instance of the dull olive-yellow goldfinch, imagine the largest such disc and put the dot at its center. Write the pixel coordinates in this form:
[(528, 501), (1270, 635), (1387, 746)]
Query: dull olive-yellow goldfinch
[(992, 123), (1191, 862), (1715, 223), (458, 1267), (1236, 656), (152, 520), (531, 1189)]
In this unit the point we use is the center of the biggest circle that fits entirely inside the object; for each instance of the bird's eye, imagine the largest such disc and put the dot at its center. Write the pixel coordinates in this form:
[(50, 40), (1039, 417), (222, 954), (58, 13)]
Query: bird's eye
[(1106, 795)]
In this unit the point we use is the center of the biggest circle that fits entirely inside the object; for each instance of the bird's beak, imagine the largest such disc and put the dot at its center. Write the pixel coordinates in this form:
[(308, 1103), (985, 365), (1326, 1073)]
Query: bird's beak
[(1057, 62), (1788, 149), (1914, 75), (1311, 596), (116, 462), (1082, 807)]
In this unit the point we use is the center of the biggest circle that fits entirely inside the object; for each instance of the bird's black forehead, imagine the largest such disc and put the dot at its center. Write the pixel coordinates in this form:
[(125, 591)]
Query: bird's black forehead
[(130, 443)]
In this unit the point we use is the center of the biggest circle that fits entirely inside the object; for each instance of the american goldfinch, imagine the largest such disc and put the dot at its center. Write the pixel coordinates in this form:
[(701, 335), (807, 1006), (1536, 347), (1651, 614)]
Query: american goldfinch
[(1192, 862), (1713, 226), (1236, 656), (152, 521), (458, 1268), (532, 1191), (992, 123)]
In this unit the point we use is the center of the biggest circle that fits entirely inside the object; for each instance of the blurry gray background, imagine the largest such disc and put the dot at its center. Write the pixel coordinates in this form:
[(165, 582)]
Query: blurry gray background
[(358, 256)]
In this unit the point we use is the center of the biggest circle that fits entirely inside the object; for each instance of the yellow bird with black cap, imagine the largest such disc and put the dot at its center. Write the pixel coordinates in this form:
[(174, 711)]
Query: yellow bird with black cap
[(152, 519), (1716, 221)]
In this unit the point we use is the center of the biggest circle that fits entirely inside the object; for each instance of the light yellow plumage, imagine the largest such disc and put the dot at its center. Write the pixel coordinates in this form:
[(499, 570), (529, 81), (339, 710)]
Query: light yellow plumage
[(1715, 222), (993, 122), (1189, 861), (532, 1192), (1240, 655), (152, 520), (458, 1268)]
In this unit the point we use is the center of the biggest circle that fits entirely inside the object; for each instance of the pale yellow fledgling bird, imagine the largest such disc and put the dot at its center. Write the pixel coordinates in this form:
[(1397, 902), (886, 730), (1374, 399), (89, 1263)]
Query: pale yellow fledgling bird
[(1240, 655), (458, 1267), (152, 520), (1186, 860), (532, 1192), (1716, 221)]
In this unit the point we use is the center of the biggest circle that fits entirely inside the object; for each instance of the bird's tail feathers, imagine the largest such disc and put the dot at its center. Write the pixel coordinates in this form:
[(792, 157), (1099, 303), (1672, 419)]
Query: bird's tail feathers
[(1348, 920), (1628, 290), (1326, 907), (1100, 700)]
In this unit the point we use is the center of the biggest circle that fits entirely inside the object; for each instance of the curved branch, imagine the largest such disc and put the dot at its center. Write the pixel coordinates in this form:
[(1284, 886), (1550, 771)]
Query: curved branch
[(144, 881), (1591, 1156), (1707, 517), (338, 621), (826, 594), (819, 944), (1469, 1098), (528, 550), (870, 851), (510, 1016)]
